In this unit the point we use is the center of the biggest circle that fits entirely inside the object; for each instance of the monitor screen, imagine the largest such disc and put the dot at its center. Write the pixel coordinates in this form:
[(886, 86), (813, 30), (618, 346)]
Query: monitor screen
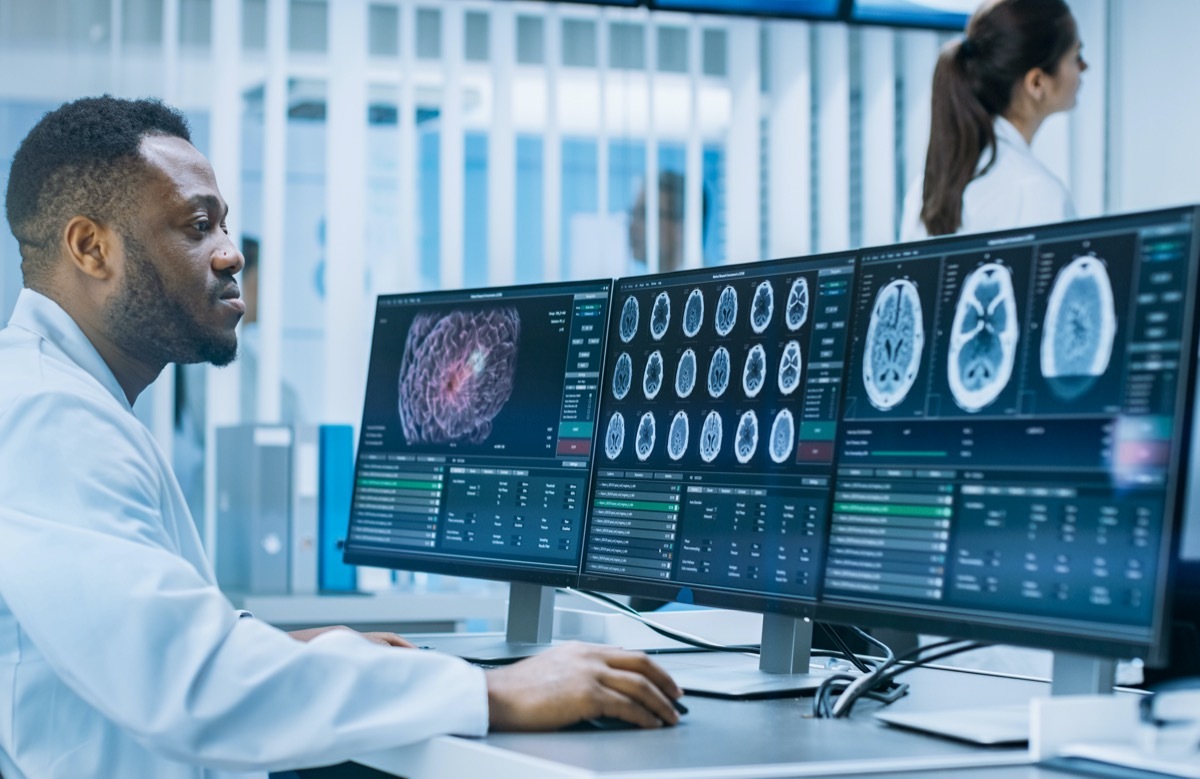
[(936, 14), (474, 453), (798, 9), (715, 449), (1013, 425)]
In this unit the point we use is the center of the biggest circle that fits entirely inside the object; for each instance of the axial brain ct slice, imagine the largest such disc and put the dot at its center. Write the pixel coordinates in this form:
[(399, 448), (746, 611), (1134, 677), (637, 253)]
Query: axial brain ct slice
[(754, 375), (629, 319), (614, 437), (644, 444), (762, 307), (797, 304), (685, 374), (895, 339), (677, 436), (710, 437), (747, 437), (718, 372), (693, 313), (652, 377), (660, 316), (983, 338), (457, 373), (622, 376), (789, 368), (1081, 323), (783, 434), (726, 315)]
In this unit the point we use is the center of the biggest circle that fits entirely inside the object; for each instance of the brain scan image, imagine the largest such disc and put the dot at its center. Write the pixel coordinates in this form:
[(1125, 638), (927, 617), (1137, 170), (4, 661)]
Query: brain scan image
[(685, 374), (762, 307), (797, 304), (718, 372), (456, 374), (677, 436), (895, 339), (644, 444), (660, 316), (726, 314), (747, 437), (652, 377), (983, 338), (789, 368), (1081, 324), (710, 437), (629, 319), (614, 437), (783, 436), (693, 313), (754, 375), (622, 376)]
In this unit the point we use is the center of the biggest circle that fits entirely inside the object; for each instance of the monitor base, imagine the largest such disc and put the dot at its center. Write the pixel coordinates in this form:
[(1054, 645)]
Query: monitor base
[(481, 647), (738, 676), (993, 726)]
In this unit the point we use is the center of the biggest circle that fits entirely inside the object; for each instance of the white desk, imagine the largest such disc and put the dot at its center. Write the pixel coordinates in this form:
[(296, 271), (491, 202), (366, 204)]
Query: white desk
[(735, 740), (404, 612)]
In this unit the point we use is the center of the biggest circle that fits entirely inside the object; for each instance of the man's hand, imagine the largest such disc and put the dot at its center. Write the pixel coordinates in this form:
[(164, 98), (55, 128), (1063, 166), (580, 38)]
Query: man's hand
[(579, 681), (388, 639)]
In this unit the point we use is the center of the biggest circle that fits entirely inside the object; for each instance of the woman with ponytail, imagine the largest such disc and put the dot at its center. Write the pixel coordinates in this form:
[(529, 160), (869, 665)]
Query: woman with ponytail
[(1019, 63)]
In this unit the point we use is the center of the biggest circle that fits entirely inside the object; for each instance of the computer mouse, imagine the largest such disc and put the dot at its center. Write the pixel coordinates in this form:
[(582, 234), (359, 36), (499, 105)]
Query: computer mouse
[(604, 723), (615, 723)]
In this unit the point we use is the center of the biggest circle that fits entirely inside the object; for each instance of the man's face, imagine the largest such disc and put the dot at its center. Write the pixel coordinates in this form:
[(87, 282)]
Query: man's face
[(178, 300)]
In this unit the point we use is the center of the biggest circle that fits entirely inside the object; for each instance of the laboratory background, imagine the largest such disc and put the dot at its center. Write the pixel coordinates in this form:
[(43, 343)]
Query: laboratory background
[(370, 147)]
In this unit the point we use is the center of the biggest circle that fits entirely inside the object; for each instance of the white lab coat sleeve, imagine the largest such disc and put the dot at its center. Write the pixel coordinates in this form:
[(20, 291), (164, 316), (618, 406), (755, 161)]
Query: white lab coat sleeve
[(91, 574)]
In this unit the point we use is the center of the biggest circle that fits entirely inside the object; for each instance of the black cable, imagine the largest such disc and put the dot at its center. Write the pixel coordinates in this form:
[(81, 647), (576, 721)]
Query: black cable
[(889, 671), (841, 644)]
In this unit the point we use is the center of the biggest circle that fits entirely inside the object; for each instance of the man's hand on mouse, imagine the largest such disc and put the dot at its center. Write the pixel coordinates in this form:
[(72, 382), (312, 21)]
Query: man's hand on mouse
[(579, 681)]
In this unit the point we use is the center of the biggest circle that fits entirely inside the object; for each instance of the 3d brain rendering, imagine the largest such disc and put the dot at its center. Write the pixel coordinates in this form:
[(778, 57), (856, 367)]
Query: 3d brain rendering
[(457, 373)]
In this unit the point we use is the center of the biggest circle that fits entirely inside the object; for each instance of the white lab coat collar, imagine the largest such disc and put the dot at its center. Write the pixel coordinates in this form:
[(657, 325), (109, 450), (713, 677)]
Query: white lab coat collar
[(43, 317), (1007, 133)]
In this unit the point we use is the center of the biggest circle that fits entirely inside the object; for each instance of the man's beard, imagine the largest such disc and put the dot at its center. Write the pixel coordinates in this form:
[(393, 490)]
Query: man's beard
[(151, 325)]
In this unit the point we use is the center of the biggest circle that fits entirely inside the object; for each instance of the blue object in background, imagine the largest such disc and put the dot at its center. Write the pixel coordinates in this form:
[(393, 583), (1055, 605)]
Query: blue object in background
[(941, 15), (333, 520)]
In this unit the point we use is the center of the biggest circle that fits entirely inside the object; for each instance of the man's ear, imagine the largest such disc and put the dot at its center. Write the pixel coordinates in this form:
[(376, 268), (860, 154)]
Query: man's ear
[(92, 248)]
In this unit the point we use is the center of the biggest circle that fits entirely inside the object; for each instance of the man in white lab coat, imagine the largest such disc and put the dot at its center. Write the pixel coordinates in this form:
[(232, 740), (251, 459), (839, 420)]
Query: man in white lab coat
[(119, 656)]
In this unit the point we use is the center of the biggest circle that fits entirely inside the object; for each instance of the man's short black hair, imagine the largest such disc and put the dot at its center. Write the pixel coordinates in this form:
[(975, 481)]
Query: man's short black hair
[(82, 159)]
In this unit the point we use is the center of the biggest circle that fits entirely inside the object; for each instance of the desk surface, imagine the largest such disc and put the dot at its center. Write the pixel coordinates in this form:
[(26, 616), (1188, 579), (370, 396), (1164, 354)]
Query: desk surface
[(740, 739)]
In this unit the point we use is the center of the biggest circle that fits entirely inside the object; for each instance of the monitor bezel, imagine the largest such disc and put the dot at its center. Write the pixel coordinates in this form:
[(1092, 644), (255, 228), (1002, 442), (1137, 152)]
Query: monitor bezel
[(1021, 631), (524, 571), (696, 7), (759, 603), (852, 13)]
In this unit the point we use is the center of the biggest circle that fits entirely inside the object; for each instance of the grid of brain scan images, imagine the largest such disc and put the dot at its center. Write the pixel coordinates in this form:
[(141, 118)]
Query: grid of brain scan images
[(721, 392)]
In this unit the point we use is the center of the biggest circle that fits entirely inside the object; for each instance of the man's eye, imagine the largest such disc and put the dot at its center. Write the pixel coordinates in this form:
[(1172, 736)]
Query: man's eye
[(203, 225)]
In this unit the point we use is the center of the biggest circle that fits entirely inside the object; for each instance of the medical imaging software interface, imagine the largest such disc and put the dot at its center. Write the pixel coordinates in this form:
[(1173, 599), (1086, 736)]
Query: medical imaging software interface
[(477, 427), (1005, 450), (716, 432)]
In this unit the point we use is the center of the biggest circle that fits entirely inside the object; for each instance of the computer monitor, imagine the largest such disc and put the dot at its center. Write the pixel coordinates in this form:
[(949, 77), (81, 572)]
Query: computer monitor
[(476, 440), (935, 14), (825, 10), (1013, 449), (715, 449)]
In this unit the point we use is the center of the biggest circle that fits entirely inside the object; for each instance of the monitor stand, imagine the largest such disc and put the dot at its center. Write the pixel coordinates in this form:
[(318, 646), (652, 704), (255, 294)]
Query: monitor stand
[(1009, 724), (783, 668), (527, 632)]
